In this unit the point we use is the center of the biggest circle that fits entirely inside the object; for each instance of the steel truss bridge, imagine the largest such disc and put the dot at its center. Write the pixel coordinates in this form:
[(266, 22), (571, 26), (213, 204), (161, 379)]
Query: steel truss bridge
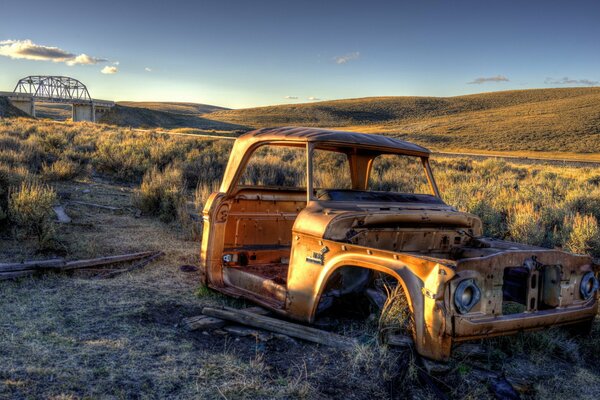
[(56, 89)]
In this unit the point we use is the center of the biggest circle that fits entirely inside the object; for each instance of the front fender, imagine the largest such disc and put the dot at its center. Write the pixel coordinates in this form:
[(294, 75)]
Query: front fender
[(422, 279)]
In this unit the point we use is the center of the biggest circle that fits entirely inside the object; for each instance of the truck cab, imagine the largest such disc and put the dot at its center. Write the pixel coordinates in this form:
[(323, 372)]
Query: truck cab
[(305, 216)]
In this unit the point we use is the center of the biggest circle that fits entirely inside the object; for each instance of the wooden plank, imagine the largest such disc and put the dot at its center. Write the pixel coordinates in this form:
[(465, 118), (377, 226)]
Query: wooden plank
[(203, 322), (60, 264), (399, 340), (206, 323), (93, 262), (141, 264), (17, 274), (279, 326), (35, 264)]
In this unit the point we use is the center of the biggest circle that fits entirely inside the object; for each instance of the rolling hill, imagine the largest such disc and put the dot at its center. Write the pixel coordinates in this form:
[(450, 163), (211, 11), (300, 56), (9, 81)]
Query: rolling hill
[(174, 107), (557, 120), (138, 117), (147, 115)]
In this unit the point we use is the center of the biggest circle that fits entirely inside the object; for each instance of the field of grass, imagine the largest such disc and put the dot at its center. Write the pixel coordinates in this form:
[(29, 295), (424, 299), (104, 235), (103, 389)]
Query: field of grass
[(547, 120), (75, 336), (174, 107)]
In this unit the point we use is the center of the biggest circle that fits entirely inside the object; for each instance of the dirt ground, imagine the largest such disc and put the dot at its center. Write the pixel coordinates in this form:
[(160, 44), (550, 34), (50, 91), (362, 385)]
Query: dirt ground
[(75, 336), (80, 337)]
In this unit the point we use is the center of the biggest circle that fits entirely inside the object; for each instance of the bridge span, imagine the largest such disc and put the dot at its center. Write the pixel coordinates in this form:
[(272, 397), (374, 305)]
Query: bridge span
[(57, 89)]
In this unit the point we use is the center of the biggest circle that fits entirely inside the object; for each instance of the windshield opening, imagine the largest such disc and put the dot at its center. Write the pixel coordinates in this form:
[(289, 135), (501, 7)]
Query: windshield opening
[(399, 174)]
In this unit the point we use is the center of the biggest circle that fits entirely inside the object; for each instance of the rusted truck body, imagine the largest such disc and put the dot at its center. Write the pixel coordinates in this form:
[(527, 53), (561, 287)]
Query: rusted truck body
[(295, 250)]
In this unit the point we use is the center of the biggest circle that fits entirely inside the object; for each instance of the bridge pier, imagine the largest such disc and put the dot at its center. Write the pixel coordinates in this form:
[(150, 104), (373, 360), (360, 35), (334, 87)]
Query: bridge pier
[(25, 105), (84, 112)]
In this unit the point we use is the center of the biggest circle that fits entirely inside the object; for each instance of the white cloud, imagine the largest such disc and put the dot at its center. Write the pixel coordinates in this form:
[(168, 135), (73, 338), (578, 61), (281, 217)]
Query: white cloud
[(147, 69), (291, 97), (497, 78), (116, 63), (347, 57), (568, 81), (27, 50), (109, 70), (312, 98)]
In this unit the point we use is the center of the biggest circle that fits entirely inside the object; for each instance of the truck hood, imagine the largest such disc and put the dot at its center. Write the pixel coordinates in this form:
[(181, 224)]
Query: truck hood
[(332, 220)]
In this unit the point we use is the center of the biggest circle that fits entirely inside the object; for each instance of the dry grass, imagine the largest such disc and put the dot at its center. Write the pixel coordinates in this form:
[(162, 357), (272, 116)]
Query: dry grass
[(76, 337), (546, 120)]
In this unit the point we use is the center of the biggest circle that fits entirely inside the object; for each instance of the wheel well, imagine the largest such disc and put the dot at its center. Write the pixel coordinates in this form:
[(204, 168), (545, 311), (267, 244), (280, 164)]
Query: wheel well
[(357, 290)]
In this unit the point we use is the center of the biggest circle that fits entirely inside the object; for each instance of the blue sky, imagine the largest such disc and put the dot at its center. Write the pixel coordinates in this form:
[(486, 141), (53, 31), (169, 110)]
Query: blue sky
[(250, 53)]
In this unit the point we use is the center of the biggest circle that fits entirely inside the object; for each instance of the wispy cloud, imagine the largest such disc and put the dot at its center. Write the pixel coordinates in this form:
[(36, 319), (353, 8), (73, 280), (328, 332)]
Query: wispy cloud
[(312, 98), (291, 97), (568, 81), (116, 63), (148, 69), (355, 55), (26, 49), (109, 70), (480, 80)]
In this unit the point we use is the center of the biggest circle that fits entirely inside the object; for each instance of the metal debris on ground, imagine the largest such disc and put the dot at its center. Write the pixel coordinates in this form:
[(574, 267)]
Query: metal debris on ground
[(188, 268), (61, 215)]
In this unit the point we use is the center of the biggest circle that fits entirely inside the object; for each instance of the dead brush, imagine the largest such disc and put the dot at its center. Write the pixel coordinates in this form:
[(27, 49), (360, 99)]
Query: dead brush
[(161, 193), (60, 170), (396, 317), (30, 210)]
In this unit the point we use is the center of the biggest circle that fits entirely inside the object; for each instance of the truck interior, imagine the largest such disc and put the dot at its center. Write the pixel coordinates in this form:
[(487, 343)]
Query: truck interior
[(266, 201)]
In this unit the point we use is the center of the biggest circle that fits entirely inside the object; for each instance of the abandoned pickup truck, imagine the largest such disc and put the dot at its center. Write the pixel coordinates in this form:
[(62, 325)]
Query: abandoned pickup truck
[(297, 240)]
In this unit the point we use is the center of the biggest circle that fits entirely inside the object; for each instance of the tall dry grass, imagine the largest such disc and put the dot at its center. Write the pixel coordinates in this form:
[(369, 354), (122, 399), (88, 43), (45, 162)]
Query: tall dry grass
[(547, 205)]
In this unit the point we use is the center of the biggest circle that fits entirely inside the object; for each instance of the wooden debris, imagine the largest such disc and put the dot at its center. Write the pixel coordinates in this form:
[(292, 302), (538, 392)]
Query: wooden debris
[(61, 215), (434, 367), (471, 350), (94, 205), (206, 323), (238, 330), (203, 322), (399, 340), (285, 338), (16, 270), (108, 260), (31, 265), (141, 264), (279, 326)]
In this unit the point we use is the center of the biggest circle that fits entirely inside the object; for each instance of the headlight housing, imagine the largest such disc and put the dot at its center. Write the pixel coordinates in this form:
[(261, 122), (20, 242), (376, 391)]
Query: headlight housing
[(466, 295), (588, 286)]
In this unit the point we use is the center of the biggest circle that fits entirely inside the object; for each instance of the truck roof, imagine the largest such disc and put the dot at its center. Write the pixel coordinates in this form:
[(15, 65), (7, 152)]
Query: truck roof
[(331, 139)]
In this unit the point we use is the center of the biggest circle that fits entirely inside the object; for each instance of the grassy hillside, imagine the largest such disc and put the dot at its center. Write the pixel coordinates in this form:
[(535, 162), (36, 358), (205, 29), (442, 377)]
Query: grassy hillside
[(174, 107), (145, 118), (59, 112), (525, 120)]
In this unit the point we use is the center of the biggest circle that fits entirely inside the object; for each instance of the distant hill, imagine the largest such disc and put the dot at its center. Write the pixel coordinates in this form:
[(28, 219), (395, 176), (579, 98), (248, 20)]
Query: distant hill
[(537, 120), (58, 112), (182, 111), (146, 118), (173, 107)]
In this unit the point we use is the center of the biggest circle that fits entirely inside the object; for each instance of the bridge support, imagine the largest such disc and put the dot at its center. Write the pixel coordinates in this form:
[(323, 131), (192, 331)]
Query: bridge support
[(25, 105), (84, 112)]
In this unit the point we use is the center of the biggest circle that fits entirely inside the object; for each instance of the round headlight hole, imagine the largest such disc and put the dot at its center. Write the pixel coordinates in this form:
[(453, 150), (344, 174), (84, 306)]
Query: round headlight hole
[(588, 286), (466, 295)]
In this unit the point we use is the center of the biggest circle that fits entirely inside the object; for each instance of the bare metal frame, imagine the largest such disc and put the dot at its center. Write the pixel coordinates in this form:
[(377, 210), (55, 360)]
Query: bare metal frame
[(54, 89)]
